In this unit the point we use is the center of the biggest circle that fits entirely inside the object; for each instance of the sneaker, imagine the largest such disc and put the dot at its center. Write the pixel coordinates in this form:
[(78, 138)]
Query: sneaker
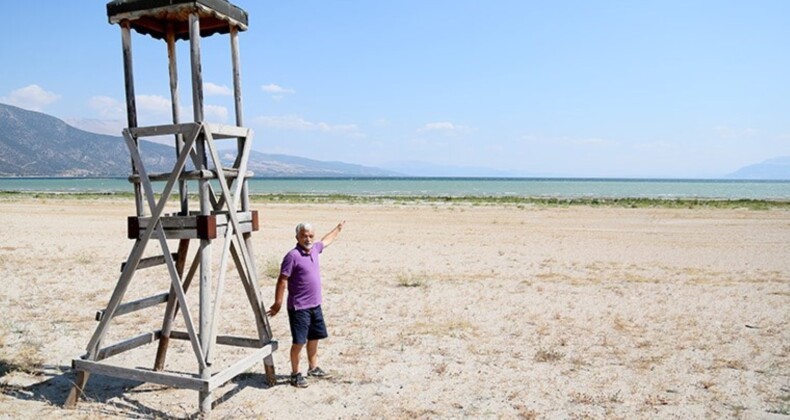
[(317, 372), (298, 380)]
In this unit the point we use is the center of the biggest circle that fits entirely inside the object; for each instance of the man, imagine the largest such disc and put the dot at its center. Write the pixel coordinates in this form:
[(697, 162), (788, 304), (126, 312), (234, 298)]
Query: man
[(300, 272)]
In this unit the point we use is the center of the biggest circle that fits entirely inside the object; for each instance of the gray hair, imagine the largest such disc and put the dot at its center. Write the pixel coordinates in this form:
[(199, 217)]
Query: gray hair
[(303, 226)]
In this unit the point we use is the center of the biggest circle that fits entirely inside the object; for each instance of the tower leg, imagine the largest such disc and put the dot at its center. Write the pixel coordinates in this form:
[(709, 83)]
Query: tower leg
[(253, 294), (77, 389), (172, 306), (268, 365)]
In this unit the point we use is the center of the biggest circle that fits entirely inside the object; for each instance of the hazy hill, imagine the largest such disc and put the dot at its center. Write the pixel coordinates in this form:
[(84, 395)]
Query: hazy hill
[(35, 144), (771, 169)]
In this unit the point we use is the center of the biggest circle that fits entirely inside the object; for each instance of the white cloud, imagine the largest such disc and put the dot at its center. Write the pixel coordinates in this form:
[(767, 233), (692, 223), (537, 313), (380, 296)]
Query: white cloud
[(593, 141), (154, 104), (216, 113), (147, 106), (276, 89), (109, 127), (296, 123), (152, 109), (107, 107), (438, 126), (447, 128), (31, 97), (287, 122), (216, 90), (729, 133)]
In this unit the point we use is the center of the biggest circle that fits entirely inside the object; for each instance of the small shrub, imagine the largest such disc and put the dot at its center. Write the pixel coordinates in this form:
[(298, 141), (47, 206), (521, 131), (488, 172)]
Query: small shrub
[(411, 280), (544, 355)]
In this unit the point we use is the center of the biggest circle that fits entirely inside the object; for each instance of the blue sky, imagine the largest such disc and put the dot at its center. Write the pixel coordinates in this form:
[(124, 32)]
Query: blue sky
[(573, 88)]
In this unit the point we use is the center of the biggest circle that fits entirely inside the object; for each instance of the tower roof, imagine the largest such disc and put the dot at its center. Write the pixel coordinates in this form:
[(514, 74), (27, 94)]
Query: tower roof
[(152, 17)]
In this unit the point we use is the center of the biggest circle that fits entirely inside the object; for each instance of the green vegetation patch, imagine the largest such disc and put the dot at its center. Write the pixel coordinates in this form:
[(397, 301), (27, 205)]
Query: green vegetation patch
[(686, 203), (518, 201)]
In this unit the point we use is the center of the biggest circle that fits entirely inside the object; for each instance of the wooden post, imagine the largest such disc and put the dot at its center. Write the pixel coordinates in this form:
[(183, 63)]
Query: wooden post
[(131, 104), (234, 49), (204, 397), (183, 246), (175, 104), (77, 389)]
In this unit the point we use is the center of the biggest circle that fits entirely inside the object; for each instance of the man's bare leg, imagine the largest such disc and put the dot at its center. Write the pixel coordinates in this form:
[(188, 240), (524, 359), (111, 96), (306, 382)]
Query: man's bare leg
[(296, 350), (312, 353)]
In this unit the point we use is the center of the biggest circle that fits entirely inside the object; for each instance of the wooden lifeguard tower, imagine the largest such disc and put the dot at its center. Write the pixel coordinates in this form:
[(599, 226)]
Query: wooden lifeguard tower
[(222, 215)]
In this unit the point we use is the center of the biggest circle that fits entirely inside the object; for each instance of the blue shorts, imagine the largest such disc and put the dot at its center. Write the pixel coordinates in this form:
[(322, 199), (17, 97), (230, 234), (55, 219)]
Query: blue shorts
[(307, 324)]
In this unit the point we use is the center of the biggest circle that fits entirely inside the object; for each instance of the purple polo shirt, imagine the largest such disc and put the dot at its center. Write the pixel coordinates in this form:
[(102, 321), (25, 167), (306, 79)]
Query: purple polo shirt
[(304, 277)]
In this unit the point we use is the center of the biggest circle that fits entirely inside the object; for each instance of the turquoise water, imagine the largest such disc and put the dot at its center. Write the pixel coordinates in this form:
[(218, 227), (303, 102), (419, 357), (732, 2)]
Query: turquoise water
[(483, 187)]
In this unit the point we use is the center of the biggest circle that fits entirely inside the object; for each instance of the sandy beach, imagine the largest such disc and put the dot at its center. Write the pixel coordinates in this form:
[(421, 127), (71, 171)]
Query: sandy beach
[(435, 311)]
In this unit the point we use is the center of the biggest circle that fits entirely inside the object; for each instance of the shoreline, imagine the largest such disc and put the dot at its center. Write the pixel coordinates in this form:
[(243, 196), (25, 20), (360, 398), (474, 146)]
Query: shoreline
[(304, 198)]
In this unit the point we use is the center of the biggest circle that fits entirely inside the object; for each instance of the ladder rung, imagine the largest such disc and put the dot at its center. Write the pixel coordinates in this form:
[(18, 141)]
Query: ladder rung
[(191, 175), (136, 305), (150, 261)]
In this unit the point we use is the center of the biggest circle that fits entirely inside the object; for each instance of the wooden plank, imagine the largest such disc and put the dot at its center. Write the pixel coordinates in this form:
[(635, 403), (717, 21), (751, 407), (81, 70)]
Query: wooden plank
[(226, 193), (135, 305), (223, 266), (193, 234), (239, 367), (221, 131), (191, 175), (178, 222), (137, 374), (149, 262), (129, 344), (164, 130), (226, 340)]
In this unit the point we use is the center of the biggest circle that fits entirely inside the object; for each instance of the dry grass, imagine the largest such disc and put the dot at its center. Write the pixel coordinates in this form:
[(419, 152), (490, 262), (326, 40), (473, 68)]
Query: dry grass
[(525, 413), (271, 268), (29, 358), (656, 400), (728, 364), (412, 280), (548, 355), (587, 399)]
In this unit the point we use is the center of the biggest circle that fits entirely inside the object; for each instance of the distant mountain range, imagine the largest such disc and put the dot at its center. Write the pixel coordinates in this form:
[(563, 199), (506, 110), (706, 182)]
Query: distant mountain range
[(771, 169), (33, 144)]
